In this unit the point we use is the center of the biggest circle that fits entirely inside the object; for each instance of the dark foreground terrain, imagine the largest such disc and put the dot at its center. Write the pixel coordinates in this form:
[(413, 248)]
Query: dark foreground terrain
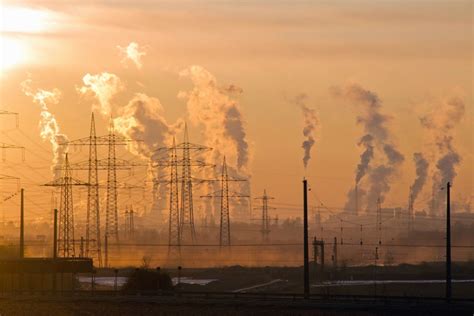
[(148, 305)]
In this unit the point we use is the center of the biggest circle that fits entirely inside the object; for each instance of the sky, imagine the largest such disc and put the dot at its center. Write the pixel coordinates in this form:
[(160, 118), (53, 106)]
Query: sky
[(253, 59)]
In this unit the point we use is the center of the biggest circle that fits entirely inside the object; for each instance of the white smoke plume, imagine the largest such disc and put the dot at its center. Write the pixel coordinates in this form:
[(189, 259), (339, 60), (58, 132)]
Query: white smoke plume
[(142, 119), (311, 126), (214, 109), (439, 125), (132, 52), (377, 136), (421, 166), (49, 127), (102, 86)]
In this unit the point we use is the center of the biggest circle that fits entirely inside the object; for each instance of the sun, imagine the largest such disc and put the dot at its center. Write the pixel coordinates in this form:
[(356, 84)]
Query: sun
[(15, 24), (12, 53)]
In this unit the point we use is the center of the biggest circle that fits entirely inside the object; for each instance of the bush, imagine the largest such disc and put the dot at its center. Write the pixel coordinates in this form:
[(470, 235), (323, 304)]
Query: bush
[(143, 280)]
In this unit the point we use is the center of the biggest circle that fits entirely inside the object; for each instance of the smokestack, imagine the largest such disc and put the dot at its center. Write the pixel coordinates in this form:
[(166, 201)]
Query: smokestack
[(448, 242), (356, 200), (305, 236)]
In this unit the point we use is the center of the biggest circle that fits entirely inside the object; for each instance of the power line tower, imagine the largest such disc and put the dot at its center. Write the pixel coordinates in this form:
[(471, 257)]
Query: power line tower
[(17, 116), (5, 146), (181, 218), (66, 247), (93, 237), (186, 211), (129, 223), (379, 221), (265, 226), (93, 243), (111, 210), (224, 232), (225, 196), (174, 237)]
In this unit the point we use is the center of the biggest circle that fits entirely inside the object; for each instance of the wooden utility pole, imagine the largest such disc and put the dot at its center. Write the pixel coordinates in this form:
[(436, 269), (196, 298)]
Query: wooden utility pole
[(22, 224)]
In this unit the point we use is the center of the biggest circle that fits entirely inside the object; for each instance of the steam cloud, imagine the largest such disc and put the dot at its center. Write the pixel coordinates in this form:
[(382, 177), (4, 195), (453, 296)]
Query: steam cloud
[(103, 86), (49, 127), (142, 118), (377, 139), (440, 124), (421, 166), (132, 52), (310, 129), (213, 108)]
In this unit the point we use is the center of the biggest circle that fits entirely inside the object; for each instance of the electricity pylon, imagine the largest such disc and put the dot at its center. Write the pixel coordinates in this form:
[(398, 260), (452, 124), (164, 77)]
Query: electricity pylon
[(181, 218), (174, 236), (5, 146), (129, 222), (17, 116), (93, 165), (66, 246), (225, 196), (265, 226)]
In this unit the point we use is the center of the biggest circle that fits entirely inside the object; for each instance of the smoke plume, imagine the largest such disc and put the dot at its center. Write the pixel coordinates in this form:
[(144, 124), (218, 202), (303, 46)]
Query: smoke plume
[(439, 125), (365, 158), (142, 119), (214, 109), (132, 53), (103, 86), (421, 166), (377, 141), (310, 129), (219, 114), (49, 127)]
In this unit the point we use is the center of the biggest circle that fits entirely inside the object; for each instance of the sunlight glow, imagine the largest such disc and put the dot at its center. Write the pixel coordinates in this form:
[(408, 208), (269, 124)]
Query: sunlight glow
[(23, 20), (15, 22), (12, 52)]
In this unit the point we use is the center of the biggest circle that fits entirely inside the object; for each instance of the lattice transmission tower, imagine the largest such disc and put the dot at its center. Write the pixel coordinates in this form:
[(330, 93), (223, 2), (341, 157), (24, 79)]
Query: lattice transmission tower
[(265, 220), (66, 242), (181, 219), (225, 196), (93, 242)]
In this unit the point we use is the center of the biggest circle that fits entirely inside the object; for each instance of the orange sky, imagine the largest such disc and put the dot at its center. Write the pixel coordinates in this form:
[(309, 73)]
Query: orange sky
[(413, 55)]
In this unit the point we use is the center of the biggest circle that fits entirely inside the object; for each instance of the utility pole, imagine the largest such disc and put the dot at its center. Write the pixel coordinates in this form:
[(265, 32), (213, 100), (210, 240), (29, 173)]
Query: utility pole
[(448, 242), (22, 223), (131, 222), (379, 221), (55, 234), (305, 236)]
